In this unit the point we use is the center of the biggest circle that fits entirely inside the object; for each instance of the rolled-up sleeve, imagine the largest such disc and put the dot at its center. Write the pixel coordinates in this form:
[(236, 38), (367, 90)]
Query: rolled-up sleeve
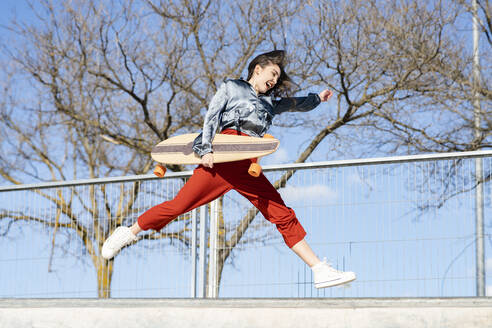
[(203, 143), (296, 104)]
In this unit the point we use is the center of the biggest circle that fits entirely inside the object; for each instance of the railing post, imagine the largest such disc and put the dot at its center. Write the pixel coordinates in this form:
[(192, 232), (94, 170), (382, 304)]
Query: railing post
[(193, 253), (212, 261), (480, 247), (203, 246), (480, 271)]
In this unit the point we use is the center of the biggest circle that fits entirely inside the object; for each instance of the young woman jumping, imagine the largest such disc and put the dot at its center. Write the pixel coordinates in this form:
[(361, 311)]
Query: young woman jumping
[(241, 107)]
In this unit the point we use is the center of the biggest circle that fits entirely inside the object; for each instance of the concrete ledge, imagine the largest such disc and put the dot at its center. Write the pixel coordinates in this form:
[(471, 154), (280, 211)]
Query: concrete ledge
[(239, 313)]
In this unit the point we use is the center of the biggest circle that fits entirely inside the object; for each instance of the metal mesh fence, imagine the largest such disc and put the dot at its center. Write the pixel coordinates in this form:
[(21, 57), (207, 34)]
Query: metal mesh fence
[(406, 227)]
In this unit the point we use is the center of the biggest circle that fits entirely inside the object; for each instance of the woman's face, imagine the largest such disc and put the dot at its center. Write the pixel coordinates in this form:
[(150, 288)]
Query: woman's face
[(265, 78)]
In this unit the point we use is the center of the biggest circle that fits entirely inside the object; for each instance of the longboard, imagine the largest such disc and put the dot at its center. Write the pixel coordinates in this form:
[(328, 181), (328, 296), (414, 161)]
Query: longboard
[(225, 147)]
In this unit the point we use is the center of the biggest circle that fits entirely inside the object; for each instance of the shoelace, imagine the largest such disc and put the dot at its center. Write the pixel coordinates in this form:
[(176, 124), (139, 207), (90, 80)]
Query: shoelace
[(330, 267)]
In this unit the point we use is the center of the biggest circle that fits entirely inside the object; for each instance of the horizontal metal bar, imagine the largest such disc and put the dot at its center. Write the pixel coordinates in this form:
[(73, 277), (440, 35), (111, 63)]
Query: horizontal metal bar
[(380, 160), (131, 178), (293, 166)]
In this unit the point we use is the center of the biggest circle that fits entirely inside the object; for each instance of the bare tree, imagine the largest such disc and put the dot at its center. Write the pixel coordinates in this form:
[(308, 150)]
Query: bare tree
[(410, 54), (383, 60), (137, 72), (133, 73)]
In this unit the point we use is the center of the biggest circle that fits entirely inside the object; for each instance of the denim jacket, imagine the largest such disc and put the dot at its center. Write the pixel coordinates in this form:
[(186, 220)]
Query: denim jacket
[(237, 106)]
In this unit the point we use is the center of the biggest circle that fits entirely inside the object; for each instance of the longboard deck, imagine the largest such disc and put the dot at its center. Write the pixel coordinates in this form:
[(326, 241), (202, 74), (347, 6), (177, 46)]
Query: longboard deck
[(226, 148)]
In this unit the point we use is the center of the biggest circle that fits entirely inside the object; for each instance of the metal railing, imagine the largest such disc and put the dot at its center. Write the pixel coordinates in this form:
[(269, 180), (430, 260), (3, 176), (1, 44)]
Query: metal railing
[(405, 225)]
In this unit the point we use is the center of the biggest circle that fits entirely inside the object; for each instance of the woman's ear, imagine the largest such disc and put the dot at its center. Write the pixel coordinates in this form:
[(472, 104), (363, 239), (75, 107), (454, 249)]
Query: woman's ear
[(258, 69)]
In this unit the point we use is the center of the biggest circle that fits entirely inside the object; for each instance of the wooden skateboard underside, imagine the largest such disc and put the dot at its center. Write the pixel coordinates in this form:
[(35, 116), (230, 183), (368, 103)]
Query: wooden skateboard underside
[(226, 148)]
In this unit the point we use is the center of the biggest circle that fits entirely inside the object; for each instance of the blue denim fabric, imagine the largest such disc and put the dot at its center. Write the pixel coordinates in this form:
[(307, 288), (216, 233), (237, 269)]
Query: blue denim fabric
[(237, 106)]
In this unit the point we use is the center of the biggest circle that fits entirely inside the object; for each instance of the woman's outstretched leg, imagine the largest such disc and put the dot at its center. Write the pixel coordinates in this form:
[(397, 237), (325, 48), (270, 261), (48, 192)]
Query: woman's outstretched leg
[(204, 186), (260, 192), (304, 251)]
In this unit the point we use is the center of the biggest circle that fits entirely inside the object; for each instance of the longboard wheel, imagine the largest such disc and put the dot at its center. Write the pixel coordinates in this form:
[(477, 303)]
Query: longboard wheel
[(254, 169), (159, 170), (266, 135)]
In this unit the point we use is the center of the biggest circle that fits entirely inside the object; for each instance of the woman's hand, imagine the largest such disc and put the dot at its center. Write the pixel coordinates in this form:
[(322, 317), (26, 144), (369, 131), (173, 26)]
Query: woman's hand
[(208, 160), (325, 95)]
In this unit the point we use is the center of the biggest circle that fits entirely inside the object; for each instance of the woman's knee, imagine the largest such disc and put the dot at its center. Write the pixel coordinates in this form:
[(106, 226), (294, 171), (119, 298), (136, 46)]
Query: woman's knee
[(281, 216)]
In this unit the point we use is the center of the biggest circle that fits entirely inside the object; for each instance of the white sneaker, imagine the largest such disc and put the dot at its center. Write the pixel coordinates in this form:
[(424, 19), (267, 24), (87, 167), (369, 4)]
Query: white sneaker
[(327, 276), (120, 237)]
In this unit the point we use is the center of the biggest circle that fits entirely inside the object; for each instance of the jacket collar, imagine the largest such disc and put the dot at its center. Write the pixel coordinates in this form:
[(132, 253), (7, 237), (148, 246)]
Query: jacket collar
[(252, 88)]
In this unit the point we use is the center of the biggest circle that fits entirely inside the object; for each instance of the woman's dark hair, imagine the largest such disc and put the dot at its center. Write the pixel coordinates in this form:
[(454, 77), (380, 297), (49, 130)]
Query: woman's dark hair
[(284, 83)]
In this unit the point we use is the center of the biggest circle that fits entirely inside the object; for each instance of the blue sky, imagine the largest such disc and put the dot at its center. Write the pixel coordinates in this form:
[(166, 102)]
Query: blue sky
[(11, 8)]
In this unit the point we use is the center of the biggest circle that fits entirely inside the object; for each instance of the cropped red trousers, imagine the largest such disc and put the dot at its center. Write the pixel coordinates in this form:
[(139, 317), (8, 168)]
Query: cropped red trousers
[(207, 184)]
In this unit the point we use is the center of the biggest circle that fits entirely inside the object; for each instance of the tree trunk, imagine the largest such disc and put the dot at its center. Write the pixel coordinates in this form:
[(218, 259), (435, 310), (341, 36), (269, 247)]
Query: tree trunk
[(104, 276)]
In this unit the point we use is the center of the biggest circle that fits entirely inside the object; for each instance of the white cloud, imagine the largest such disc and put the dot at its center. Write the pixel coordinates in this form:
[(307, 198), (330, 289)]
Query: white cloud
[(280, 156), (315, 193), (355, 179)]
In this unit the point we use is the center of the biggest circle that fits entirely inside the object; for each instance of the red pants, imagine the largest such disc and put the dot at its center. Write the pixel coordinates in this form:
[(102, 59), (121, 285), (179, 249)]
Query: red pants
[(207, 184)]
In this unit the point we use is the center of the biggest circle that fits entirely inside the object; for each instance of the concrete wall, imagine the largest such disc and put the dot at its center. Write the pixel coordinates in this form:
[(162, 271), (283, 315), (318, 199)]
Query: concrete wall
[(242, 313)]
